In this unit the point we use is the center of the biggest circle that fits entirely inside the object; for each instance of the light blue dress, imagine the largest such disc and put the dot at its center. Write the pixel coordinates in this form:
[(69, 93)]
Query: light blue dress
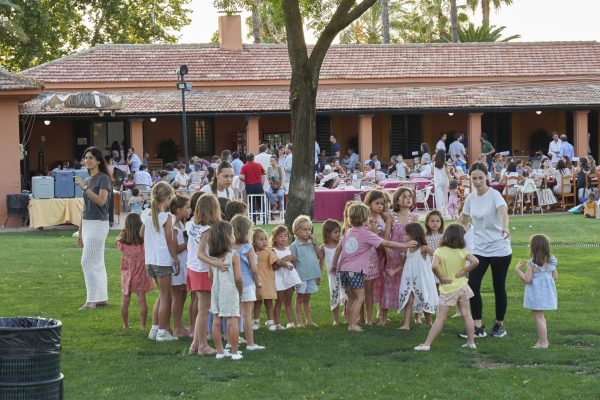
[(540, 294)]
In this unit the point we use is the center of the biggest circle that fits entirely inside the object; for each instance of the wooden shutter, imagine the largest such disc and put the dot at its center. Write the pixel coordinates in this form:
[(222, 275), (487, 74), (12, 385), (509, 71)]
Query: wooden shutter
[(406, 134), (324, 132)]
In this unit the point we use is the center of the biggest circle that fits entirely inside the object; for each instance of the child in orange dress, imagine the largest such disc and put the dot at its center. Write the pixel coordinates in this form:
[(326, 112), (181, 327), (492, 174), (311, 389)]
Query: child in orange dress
[(133, 269), (267, 294)]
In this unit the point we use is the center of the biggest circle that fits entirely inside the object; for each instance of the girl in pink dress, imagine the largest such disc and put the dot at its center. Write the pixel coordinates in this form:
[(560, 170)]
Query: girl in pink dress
[(402, 204), (375, 200), (133, 269)]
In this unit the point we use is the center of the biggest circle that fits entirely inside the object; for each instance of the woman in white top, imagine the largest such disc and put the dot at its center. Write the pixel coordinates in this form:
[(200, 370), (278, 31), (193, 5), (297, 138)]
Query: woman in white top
[(561, 170), (426, 169), (441, 180), (489, 215), (441, 144), (221, 183)]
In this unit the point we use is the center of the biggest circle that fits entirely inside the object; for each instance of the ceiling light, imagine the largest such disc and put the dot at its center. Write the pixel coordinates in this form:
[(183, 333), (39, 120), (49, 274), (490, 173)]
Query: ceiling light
[(153, 119), (538, 112), (451, 114), (47, 122)]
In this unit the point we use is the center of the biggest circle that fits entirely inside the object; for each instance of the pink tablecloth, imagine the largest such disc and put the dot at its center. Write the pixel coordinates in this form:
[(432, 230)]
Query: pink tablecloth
[(330, 203), (421, 183)]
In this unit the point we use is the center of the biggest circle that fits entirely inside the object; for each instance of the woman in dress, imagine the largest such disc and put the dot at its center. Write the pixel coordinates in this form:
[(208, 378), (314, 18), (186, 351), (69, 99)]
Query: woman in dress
[(94, 225), (276, 177)]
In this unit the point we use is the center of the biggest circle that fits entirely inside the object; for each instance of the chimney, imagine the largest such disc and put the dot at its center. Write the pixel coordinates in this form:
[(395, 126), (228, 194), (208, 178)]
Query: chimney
[(230, 32)]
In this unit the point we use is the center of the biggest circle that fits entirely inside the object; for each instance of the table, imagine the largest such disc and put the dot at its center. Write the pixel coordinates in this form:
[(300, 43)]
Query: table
[(50, 212), (392, 184), (330, 203)]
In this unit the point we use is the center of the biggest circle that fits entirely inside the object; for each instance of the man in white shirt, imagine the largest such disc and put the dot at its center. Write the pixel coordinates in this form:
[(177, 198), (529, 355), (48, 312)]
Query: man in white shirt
[(142, 177), (566, 148), (457, 148), (263, 158), (554, 148)]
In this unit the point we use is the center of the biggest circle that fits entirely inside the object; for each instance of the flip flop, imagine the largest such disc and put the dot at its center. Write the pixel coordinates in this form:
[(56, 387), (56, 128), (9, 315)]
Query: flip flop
[(84, 307)]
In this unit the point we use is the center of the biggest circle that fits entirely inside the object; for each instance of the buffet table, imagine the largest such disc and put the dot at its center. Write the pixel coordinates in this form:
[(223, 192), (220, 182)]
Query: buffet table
[(51, 212)]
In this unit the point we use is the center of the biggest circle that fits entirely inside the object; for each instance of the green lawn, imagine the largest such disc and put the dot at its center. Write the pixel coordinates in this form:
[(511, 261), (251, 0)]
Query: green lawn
[(42, 276)]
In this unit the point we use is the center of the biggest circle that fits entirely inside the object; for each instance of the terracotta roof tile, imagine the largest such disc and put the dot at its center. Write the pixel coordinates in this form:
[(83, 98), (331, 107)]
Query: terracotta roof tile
[(9, 81), (148, 102), (207, 62)]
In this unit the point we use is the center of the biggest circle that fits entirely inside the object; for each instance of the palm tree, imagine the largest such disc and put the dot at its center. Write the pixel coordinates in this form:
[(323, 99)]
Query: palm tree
[(385, 20), (367, 29), (454, 21), (483, 33), (485, 7)]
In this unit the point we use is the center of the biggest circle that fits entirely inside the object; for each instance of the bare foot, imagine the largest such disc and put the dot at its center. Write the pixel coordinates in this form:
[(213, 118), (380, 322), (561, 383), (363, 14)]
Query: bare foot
[(404, 328), (540, 346), (311, 324), (355, 328), (370, 323), (383, 322), (180, 332), (126, 327), (206, 351)]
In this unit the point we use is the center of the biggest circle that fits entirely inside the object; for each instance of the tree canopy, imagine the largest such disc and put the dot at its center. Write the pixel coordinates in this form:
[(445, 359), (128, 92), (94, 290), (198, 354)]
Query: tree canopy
[(54, 28)]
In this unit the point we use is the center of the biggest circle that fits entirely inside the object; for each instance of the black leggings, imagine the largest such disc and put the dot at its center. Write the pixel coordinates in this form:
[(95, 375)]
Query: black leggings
[(499, 270)]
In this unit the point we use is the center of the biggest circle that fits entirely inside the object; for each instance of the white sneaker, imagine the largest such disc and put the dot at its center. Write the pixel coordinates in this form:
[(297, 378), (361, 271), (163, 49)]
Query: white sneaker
[(273, 327), (469, 346), (255, 347), (270, 325), (227, 346), (290, 325), (237, 356), (166, 337), (222, 355), (256, 325), (422, 347), (152, 334)]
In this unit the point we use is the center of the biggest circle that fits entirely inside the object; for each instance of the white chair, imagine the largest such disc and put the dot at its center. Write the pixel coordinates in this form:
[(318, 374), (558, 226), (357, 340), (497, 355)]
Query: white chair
[(528, 188), (423, 196), (259, 208)]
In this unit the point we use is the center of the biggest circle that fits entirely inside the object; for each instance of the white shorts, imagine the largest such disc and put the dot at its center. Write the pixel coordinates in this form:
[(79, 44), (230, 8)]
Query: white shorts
[(249, 293), (308, 287)]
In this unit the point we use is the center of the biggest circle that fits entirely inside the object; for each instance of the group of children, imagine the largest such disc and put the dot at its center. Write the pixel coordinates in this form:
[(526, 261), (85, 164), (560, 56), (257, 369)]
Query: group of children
[(381, 255)]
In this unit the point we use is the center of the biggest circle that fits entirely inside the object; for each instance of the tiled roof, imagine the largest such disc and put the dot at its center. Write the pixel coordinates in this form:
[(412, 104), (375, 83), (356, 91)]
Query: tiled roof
[(206, 62), (9, 81), (470, 98)]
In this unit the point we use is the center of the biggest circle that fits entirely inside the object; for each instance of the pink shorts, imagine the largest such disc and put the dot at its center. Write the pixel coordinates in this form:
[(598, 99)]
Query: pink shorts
[(198, 281), (450, 299)]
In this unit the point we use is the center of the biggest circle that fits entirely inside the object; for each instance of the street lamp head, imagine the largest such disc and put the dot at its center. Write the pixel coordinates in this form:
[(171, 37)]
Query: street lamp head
[(181, 71)]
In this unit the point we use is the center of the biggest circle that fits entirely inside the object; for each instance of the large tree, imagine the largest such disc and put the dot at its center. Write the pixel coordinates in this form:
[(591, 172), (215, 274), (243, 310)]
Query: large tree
[(485, 7), (306, 67), (59, 27)]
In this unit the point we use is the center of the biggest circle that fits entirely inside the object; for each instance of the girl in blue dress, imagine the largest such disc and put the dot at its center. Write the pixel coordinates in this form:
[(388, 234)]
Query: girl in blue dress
[(540, 287)]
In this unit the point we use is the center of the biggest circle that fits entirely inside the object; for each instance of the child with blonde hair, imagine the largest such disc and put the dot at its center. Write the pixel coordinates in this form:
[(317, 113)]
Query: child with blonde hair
[(206, 213), (133, 269), (352, 254), (160, 252), (307, 256), (226, 288), (267, 263), (450, 266), (286, 276), (337, 295), (540, 285), (242, 227)]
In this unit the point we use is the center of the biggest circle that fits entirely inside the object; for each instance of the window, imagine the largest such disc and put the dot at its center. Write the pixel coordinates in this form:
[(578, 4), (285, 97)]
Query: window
[(406, 135), (201, 136), (324, 132)]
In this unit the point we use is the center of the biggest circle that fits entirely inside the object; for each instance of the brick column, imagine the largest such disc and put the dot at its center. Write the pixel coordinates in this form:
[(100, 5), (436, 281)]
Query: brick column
[(253, 135), (136, 136), (9, 154), (580, 133), (365, 136), (473, 135)]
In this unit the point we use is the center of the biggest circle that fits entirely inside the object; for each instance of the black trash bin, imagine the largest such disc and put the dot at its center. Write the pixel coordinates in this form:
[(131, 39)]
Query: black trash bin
[(30, 359)]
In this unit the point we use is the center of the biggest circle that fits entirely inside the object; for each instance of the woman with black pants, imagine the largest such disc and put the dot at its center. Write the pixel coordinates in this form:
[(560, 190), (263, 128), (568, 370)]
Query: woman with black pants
[(489, 215)]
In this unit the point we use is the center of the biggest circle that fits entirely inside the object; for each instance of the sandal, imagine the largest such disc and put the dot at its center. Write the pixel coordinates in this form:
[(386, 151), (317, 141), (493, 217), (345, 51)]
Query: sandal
[(193, 350), (86, 307), (206, 351)]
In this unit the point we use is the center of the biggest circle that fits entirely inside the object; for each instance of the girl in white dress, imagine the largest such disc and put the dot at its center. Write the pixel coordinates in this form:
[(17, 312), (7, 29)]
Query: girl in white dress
[(226, 288), (417, 289), (441, 180), (337, 295), (286, 276)]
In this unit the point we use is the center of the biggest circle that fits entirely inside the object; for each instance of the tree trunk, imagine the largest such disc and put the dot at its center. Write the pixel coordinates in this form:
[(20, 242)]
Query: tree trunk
[(485, 11), (303, 99), (385, 21), (256, 23), (454, 21)]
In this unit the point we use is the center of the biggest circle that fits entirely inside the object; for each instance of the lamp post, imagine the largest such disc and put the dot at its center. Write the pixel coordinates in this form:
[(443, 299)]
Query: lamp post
[(184, 87)]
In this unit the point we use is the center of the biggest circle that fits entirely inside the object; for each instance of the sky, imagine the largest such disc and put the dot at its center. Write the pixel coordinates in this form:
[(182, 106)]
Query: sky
[(534, 20)]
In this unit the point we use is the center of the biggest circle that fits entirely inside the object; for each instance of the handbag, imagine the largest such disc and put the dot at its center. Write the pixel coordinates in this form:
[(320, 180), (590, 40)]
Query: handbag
[(546, 197)]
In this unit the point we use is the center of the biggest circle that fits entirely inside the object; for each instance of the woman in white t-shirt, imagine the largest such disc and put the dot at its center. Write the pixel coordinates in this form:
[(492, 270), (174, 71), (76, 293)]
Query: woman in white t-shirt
[(489, 215), (221, 183), (441, 144)]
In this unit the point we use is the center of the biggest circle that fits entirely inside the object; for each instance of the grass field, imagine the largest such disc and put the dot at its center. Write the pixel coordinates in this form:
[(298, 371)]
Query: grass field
[(42, 276)]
